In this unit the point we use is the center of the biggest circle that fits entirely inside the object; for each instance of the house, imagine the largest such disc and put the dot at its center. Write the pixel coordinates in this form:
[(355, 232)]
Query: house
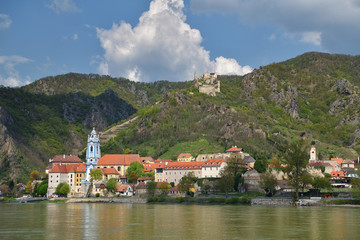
[(234, 149), (159, 170), (284, 186), (174, 171), (62, 174), (347, 164), (338, 160), (79, 175), (141, 189), (212, 168), (145, 160), (340, 180), (124, 190), (144, 179), (110, 173), (120, 162), (63, 160), (252, 181), (175, 192), (185, 157)]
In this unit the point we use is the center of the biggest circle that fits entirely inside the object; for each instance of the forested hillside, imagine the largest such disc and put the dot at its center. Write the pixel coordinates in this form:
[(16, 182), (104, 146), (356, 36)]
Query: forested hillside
[(314, 96)]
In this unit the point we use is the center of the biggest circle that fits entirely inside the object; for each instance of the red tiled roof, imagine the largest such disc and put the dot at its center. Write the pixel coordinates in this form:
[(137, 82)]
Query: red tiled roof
[(234, 149), (184, 165), (338, 174), (141, 185), (318, 163), (119, 159), (65, 168), (338, 160), (184, 155), (144, 178), (108, 171), (213, 162), (121, 187), (66, 159), (81, 168)]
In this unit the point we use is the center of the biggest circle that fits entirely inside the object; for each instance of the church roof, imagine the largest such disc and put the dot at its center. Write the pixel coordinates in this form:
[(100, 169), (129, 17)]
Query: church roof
[(119, 159), (109, 171)]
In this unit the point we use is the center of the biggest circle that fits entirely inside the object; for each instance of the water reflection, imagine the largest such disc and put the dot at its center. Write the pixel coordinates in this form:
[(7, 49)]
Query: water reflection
[(126, 221)]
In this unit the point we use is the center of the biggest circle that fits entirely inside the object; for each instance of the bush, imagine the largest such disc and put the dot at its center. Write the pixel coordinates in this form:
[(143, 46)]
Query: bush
[(97, 195), (232, 200)]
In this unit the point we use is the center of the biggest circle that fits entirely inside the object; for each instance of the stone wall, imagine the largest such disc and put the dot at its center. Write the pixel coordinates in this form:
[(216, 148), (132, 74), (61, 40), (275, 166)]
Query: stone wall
[(272, 201)]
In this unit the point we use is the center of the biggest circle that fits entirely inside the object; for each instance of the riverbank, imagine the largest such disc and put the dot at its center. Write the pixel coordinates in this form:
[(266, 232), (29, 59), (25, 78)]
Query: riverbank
[(131, 200)]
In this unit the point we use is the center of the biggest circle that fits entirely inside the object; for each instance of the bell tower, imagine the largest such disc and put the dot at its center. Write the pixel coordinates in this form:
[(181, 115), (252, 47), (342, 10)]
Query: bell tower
[(92, 153), (313, 157)]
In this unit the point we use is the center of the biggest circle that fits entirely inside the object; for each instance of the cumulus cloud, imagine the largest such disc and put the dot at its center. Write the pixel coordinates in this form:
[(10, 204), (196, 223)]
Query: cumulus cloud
[(12, 77), (63, 6), (331, 24), (161, 46), (5, 21)]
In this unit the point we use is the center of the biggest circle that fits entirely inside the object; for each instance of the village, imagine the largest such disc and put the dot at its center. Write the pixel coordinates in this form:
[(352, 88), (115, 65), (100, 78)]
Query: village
[(167, 174)]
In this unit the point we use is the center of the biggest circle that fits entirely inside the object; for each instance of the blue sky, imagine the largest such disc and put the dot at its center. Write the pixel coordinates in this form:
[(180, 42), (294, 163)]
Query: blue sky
[(147, 40)]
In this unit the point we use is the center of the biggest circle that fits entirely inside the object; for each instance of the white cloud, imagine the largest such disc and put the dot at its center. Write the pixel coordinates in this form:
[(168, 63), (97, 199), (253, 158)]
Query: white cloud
[(7, 66), (311, 37), (63, 6), (5, 21), (272, 37), (161, 46), (331, 24), (75, 36)]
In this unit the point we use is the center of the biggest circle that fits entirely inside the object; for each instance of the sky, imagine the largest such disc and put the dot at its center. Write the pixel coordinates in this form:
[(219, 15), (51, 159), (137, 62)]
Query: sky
[(150, 40)]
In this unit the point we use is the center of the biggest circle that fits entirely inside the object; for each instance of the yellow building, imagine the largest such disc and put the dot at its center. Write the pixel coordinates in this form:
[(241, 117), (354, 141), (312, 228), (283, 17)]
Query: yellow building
[(185, 157)]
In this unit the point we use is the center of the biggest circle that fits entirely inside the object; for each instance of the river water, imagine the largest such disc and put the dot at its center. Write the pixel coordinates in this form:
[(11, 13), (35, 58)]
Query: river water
[(175, 221)]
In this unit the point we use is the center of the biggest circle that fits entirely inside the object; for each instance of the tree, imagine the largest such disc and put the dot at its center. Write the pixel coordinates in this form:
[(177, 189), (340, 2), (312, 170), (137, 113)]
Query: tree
[(321, 183), (42, 190), (260, 165), (306, 180), (274, 162), (187, 182), (296, 158), (28, 188), (96, 174), (111, 184), (235, 166), (164, 188), (226, 182), (269, 183), (62, 189), (151, 188), (136, 167), (34, 175), (355, 185)]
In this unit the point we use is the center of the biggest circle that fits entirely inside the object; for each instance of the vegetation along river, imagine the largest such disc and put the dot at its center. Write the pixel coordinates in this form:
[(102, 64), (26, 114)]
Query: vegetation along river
[(175, 221)]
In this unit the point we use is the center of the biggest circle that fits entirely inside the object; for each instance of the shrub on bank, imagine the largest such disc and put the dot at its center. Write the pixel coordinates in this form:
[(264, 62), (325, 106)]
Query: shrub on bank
[(343, 201)]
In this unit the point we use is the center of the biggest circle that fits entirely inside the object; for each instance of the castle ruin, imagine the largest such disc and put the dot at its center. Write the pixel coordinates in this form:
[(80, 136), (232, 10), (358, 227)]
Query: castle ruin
[(208, 83)]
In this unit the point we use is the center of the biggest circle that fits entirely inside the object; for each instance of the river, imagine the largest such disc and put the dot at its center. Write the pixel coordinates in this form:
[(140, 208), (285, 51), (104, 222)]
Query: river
[(175, 221)]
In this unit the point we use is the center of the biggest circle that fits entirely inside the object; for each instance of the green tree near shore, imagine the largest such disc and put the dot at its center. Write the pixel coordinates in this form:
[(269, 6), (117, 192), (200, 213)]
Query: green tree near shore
[(269, 183), (63, 189), (296, 158), (151, 188), (138, 170), (96, 174), (226, 182), (111, 184), (186, 183)]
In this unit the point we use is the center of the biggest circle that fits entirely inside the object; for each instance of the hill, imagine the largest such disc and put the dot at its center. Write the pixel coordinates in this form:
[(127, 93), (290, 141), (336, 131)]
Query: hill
[(314, 96)]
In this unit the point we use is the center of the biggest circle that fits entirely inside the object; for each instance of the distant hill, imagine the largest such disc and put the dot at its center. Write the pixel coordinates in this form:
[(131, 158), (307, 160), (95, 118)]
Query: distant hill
[(314, 96)]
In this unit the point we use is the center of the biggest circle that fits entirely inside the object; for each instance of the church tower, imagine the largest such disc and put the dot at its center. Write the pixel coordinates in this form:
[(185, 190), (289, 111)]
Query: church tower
[(92, 153), (313, 157)]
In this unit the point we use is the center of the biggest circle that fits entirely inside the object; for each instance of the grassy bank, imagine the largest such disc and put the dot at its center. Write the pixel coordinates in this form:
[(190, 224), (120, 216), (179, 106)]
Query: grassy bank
[(212, 200)]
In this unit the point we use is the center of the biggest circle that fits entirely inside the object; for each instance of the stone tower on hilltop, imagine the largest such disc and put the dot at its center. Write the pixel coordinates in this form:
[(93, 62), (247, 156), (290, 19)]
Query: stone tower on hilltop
[(92, 156), (208, 83)]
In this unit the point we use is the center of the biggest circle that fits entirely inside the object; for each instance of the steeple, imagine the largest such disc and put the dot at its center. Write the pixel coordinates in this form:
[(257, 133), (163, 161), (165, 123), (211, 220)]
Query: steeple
[(92, 153)]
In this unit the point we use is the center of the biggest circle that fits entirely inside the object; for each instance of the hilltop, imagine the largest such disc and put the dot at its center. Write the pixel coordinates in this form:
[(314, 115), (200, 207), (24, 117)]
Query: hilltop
[(314, 96)]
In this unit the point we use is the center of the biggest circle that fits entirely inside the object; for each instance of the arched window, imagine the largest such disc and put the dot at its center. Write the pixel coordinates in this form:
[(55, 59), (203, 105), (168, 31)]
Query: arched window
[(91, 148)]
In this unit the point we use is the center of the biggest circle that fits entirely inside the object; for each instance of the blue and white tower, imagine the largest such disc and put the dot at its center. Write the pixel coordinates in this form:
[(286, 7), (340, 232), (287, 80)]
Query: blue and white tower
[(92, 156), (92, 153)]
